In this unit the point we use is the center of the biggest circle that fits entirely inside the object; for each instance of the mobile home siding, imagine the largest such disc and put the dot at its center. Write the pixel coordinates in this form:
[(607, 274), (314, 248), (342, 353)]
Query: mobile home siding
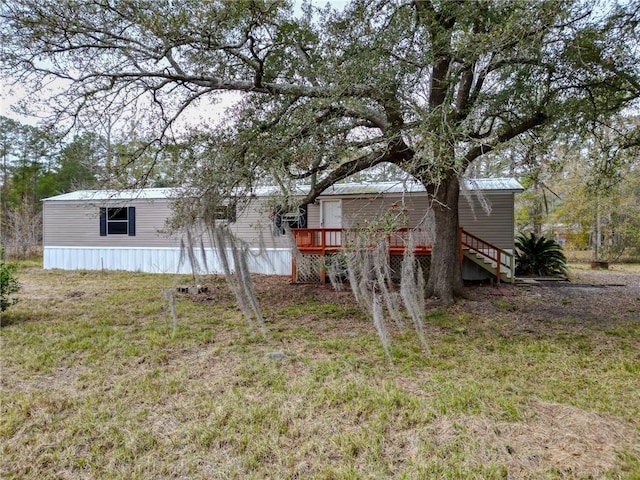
[(357, 212), (313, 215), (495, 227), (255, 226), (77, 223), (71, 223), (72, 237)]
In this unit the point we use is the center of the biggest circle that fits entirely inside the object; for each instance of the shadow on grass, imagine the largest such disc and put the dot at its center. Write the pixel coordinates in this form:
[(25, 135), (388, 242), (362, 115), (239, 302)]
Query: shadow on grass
[(10, 318)]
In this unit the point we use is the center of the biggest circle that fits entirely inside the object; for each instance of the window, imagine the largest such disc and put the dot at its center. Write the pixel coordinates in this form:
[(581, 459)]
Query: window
[(226, 212), (297, 218), (118, 221)]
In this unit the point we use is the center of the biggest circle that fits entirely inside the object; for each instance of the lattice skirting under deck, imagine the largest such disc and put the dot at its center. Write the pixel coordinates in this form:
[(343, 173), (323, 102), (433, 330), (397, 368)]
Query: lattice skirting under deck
[(309, 268), (395, 265)]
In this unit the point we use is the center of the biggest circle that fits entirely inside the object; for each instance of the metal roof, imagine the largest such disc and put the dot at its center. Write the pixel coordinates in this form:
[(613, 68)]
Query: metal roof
[(108, 195), (505, 183), (483, 184), (376, 188)]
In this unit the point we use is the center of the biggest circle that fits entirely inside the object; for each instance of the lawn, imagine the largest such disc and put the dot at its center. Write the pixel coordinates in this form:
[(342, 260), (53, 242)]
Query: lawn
[(520, 382)]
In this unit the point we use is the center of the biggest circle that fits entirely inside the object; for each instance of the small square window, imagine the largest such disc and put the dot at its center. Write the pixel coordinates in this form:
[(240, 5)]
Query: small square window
[(118, 221), (226, 212), (294, 218)]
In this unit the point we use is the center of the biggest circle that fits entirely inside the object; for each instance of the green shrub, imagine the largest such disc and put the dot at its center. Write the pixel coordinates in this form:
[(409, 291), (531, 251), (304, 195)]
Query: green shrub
[(8, 284), (539, 256)]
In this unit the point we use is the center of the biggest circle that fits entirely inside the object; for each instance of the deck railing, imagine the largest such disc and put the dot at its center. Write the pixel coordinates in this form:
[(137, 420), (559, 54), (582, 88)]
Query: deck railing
[(329, 240), (501, 260)]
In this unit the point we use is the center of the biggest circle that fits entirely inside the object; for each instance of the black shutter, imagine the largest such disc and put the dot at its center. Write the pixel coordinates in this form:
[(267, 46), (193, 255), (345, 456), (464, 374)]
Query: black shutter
[(132, 221), (103, 222)]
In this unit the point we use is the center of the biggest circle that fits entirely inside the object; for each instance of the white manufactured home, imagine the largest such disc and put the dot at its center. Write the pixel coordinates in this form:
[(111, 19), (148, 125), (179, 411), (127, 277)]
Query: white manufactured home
[(126, 230)]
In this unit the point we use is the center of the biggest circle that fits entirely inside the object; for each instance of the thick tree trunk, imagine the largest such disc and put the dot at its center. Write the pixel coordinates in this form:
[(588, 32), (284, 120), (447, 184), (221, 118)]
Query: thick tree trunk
[(445, 273)]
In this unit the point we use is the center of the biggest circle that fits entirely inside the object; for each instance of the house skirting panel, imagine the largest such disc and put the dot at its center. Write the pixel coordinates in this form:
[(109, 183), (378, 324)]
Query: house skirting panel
[(273, 261)]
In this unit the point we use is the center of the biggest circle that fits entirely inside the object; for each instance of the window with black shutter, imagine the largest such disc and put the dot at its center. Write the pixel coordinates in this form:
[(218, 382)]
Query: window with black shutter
[(118, 221)]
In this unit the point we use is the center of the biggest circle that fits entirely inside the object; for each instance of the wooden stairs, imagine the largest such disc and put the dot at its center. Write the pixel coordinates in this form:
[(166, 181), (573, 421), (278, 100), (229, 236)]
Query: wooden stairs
[(500, 263)]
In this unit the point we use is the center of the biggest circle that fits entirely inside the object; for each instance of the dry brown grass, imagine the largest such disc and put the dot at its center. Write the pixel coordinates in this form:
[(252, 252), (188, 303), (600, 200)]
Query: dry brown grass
[(578, 442), (521, 382)]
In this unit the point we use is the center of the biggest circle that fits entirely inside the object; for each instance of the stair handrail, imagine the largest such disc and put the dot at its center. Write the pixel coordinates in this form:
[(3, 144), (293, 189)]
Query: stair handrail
[(474, 246)]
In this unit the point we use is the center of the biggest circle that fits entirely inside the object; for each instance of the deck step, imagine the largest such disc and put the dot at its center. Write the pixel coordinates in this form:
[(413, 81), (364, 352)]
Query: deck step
[(487, 264)]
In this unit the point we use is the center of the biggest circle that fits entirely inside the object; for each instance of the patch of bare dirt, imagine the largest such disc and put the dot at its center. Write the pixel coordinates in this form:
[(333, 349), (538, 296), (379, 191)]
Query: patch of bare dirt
[(74, 294), (601, 299), (276, 292), (590, 296)]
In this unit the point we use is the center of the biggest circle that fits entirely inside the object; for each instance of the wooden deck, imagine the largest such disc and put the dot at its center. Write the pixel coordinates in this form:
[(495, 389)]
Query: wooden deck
[(323, 242), (317, 245)]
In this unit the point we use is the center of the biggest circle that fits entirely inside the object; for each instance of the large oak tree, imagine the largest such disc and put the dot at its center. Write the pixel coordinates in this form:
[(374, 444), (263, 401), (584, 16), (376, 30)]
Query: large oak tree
[(428, 85)]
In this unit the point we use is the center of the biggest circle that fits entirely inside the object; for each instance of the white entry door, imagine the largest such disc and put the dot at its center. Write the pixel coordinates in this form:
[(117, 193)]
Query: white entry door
[(332, 218)]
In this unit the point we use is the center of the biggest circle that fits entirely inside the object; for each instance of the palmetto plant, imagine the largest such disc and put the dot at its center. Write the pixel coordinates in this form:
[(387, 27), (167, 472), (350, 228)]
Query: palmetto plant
[(539, 256)]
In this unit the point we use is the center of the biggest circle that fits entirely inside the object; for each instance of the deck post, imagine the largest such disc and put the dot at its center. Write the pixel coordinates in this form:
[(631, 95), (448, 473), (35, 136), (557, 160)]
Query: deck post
[(512, 266), (323, 266), (293, 267), (389, 281)]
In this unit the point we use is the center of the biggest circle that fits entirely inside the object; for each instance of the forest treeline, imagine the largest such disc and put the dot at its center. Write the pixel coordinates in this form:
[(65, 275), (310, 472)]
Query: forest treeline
[(36, 163)]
